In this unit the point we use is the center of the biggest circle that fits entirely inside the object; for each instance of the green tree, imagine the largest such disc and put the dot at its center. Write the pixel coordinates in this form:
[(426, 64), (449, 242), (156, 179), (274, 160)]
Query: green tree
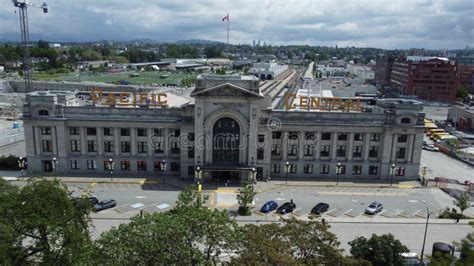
[(41, 224), (213, 51), (379, 250), (245, 198), (43, 44), (462, 202), (462, 92)]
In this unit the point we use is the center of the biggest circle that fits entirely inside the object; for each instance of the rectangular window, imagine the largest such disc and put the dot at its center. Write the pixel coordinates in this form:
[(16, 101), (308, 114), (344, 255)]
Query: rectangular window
[(91, 146), (191, 170), (47, 146), (308, 150), (358, 137), (373, 170), (91, 131), (125, 146), (108, 146), (341, 136), (190, 152), (175, 132), (343, 169), (292, 149), (125, 165), (142, 147), (74, 164), (276, 168), (175, 148), (400, 171), (324, 169), (45, 130), (308, 169), (326, 136), (357, 169), (341, 151), (275, 149), (141, 165), (108, 131), (325, 150), (91, 165), (373, 151), (75, 147), (292, 168), (190, 136), (357, 152), (125, 132), (158, 147), (374, 137), (261, 138), (400, 154), (73, 131), (141, 132), (174, 167), (157, 166), (158, 132), (260, 154), (402, 138)]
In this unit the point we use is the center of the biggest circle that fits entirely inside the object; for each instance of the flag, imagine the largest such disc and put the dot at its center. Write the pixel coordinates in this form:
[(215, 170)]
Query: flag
[(226, 18)]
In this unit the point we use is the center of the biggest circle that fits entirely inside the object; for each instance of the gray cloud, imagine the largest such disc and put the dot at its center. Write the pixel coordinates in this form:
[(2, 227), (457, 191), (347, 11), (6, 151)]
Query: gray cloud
[(375, 23)]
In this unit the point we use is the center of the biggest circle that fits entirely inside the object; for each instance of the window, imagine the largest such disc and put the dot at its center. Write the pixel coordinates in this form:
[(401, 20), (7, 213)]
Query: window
[(191, 170), (141, 165), (174, 147), (261, 138), (260, 154), (157, 147), (108, 146), (275, 149), (45, 130), (175, 132), (47, 147), (308, 150), (91, 146), (174, 167), (276, 135), (91, 165), (74, 164), (400, 171), (400, 154), (125, 165), (325, 150), (158, 132), (108, 131), (190, 136), (125, 132), (374, 137), (91, 131), (276, 168), (125, 146), (73, 131), (341, 151), (341, 136), (373, 170), (357, 169), (357, 152), (43, 112), (343, 169), (157, 166), (75, 147), (402, 138), (142, 147), (292, 168), (141, 132), (308, 169), (374, 151), (326, 136), (292, 149), (405, 120), (324, 169), (190, 152), (358, 137)]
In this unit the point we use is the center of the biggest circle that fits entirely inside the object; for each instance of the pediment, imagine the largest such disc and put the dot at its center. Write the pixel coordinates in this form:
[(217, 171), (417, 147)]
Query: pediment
[(226, 90)]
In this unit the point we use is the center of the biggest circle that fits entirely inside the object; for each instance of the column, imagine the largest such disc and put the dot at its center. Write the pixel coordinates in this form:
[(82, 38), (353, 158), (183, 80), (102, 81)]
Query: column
[(54, 144), (417, 148), (349, 148), (30, 135), (366, 146), (301, 142), (82, 130), (333, 145), (394, 148), (318, 145), (116, 141), (100, 141), (133, 143), (166, 143), (284, 146), (410, 147), (150, 144), (38, 145)]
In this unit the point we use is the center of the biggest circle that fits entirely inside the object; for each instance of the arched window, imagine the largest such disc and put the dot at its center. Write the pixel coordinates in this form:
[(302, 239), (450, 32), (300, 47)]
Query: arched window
[(405, 120), (43, 112)]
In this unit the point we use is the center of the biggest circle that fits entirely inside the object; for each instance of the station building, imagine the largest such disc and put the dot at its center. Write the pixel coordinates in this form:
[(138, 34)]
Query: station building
[(227, 129)]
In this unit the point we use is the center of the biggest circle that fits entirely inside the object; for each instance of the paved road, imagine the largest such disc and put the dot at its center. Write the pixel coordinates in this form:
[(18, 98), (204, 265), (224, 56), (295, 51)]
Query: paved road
[(442, 165), (17, 149)]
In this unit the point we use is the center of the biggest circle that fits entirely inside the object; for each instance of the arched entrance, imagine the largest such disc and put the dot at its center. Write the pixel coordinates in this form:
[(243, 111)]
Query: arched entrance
[(225, 147)]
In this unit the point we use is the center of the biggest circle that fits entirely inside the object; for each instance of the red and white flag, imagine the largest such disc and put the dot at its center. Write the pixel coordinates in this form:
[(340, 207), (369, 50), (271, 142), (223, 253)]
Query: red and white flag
[(226, 18)]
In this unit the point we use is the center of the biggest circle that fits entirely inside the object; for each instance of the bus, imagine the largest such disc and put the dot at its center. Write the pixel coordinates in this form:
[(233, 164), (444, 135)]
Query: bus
[(437, 136), (435, 131)]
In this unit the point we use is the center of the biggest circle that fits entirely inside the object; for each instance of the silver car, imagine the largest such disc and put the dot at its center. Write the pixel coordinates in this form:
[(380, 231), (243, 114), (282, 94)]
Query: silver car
[(374, 208)]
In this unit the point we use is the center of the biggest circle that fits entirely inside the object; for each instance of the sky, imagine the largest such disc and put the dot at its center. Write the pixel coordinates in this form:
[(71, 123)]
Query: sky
[(389, 24)]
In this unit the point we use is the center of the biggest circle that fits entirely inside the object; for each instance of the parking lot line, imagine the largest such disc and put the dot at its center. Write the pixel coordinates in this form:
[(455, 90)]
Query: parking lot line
[(347, 211), (416, 213), (143, 207), (331, 211)]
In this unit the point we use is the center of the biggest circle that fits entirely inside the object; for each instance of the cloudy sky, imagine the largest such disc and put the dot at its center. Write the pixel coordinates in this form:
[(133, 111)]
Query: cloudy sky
[(439, 24)]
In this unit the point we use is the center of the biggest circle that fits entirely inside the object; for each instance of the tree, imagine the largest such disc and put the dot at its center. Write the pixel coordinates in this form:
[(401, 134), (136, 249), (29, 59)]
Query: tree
[(41, 224), (379, 250), (462, 92), (212, 51), (245, 198), (43, 44), (462, 202)]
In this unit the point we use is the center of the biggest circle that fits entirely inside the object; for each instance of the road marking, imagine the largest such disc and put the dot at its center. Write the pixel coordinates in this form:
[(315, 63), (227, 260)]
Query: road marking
[(123, 205), (137, 205), (93, 184), (405, 186), (347, 211), (140, 197), (415, 213), (331, 211), (144, 207)]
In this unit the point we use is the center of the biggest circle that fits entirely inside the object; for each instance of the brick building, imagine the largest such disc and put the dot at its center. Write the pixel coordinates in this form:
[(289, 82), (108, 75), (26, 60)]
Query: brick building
[(466, 71), (383, 70)]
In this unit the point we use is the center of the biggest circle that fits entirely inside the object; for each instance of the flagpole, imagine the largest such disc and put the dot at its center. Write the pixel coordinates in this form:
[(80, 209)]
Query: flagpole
[(228, 21)]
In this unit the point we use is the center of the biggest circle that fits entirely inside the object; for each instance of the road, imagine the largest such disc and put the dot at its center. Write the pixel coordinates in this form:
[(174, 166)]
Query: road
[(17, 149)]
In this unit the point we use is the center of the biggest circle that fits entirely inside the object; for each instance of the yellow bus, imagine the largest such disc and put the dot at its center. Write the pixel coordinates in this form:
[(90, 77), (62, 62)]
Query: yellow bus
[(435, 131), (436, 136)]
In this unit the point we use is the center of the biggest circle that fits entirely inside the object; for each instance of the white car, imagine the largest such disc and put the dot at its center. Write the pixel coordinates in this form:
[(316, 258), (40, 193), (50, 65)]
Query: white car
[(374, 208)]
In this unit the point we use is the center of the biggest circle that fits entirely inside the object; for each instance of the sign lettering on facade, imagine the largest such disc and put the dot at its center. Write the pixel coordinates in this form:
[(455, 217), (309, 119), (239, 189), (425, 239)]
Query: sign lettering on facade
[(128, 98), (321, 103)]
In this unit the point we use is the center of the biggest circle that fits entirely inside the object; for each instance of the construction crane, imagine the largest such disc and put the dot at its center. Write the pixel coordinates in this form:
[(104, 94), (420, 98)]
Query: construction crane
[(25, 35)]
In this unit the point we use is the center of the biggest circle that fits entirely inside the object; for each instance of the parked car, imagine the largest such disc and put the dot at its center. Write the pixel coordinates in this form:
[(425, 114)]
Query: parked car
[(105, 204), (287, 207), (374, 208), (320, 208), (93, 200), (269, 206), (430, 147)]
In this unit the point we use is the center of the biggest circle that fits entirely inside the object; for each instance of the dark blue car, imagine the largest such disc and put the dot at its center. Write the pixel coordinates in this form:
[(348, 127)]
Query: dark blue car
[(269, 206)]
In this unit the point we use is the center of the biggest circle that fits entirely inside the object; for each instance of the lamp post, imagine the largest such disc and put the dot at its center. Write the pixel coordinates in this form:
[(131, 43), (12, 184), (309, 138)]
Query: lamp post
[(21, 164), (287, 169), (428, 214), (54, 164), (110, 166), (253, 174), (163, 168), (392, 173), (424, 170), (338, 172)]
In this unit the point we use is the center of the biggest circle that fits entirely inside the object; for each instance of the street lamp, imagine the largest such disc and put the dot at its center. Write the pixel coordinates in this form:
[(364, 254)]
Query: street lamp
[(287, 169), (163, 168), (253, 174), (22, 164), (54, 164), (110, 166), (424, 170), (392, 173), (428, 214), (338, 172)]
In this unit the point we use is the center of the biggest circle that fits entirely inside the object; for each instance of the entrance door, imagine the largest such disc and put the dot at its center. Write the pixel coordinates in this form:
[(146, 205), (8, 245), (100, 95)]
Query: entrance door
[(226, 142), (47, 166), (223, 176)]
